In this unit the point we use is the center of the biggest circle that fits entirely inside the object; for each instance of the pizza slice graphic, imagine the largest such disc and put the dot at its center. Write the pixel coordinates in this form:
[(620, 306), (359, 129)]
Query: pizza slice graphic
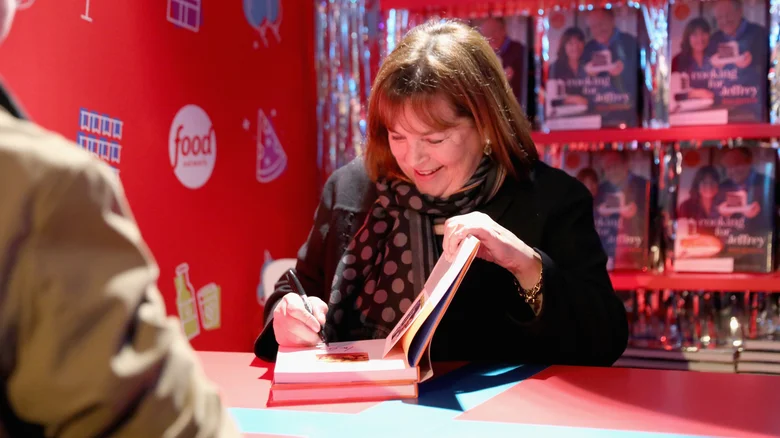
[(271, 158)]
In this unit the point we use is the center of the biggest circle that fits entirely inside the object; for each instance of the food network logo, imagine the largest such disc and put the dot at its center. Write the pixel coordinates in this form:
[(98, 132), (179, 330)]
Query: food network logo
[(192, 146), (264, 16)]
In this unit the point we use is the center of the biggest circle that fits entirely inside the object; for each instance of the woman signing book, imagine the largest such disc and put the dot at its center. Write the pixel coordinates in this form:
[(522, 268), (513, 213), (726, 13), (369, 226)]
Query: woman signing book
[(449, 154)]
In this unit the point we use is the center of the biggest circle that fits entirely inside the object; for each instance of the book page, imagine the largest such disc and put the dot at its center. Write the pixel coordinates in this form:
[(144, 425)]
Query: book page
[(441, 281)]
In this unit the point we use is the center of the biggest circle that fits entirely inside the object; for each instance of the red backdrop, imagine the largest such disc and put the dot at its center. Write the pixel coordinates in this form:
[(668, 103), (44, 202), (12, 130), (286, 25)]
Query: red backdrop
[(113, 75)]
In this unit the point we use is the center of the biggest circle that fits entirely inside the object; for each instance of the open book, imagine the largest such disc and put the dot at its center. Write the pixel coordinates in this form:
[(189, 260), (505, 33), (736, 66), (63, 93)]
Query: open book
[(376, 369)]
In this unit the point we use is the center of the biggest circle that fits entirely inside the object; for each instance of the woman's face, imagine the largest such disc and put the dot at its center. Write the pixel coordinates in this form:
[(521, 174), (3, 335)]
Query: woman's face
[(708, 187), (438, 162), (574, 48), (699, 40)]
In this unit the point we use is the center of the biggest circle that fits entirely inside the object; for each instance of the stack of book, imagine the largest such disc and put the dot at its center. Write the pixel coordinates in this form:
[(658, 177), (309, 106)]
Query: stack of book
[(720, 360), (759, 356), (342, 372)]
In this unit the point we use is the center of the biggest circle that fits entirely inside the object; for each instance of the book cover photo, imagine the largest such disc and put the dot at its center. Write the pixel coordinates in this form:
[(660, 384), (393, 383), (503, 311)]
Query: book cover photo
[(777, 215), (725, 210), (622, 207), (592, 72), (509, 36), (620, 182), (719, 62)]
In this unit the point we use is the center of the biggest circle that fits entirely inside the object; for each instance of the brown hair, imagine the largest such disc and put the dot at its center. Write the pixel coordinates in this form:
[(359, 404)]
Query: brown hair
[(449, 59)]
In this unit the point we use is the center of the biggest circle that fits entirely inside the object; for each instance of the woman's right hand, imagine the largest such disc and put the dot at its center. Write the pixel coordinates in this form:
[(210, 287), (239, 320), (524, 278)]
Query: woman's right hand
[(617, 68), (294, 326), (753, 210)]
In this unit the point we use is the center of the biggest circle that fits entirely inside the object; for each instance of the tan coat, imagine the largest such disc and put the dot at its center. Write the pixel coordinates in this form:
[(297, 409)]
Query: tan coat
[(86, 348)]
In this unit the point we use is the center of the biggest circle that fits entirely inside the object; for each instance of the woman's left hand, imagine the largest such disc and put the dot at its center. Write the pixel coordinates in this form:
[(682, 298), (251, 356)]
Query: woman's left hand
[(497, 245), (745, 60)]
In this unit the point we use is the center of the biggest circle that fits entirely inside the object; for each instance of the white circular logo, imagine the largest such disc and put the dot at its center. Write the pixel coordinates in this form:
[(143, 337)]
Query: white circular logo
[(192, 146)]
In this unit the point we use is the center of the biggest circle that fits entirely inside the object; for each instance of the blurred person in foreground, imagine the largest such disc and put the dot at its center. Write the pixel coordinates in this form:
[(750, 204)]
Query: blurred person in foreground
[(86, 348)]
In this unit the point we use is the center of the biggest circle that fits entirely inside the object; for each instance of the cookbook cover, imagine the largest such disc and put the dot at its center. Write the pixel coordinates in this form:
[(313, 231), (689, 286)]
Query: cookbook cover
[(719, 62), (726, 210), (620, 182), (592, 72)]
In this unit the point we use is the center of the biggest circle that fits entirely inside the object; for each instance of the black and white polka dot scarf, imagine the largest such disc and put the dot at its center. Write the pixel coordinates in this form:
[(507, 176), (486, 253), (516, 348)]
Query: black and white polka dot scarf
[(390, 257)]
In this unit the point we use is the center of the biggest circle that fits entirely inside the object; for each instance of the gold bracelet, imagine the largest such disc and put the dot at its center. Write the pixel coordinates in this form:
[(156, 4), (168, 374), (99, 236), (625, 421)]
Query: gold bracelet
[(532, 294)]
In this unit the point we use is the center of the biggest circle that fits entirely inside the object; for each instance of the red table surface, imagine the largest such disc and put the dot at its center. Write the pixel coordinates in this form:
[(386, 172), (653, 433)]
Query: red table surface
[(665, 401), (661, 401)]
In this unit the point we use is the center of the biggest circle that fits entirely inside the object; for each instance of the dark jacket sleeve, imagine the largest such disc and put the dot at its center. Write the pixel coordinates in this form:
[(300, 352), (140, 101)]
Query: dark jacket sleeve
[(582, 320), (310, 269), (345, 198)]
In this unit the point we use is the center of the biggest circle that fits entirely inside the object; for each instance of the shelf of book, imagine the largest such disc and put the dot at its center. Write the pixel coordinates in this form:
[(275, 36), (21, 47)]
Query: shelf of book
[(737, 282), (715, 132)]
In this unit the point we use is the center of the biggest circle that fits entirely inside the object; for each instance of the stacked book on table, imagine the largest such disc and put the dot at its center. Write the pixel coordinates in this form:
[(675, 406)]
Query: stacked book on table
[(720, 360), (759, 356), (342, 372), (374, 369)]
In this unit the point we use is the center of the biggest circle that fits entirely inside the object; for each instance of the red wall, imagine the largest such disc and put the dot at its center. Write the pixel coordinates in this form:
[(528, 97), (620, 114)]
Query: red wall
[(132, 64)]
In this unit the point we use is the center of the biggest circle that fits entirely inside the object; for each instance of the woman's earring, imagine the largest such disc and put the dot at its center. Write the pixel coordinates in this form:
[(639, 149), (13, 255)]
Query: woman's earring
[(488, 149)]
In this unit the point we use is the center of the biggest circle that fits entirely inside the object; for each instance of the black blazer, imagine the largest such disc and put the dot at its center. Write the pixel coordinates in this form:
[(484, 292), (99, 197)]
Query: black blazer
[(582, 321)]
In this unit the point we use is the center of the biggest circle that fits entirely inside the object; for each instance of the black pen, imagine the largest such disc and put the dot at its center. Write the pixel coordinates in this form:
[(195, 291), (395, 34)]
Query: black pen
[(299, 289)]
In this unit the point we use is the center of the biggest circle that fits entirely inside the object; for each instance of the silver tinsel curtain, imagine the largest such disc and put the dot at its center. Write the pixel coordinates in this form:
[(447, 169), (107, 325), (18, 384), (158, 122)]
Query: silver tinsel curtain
[(347, 53), (352, 36)]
